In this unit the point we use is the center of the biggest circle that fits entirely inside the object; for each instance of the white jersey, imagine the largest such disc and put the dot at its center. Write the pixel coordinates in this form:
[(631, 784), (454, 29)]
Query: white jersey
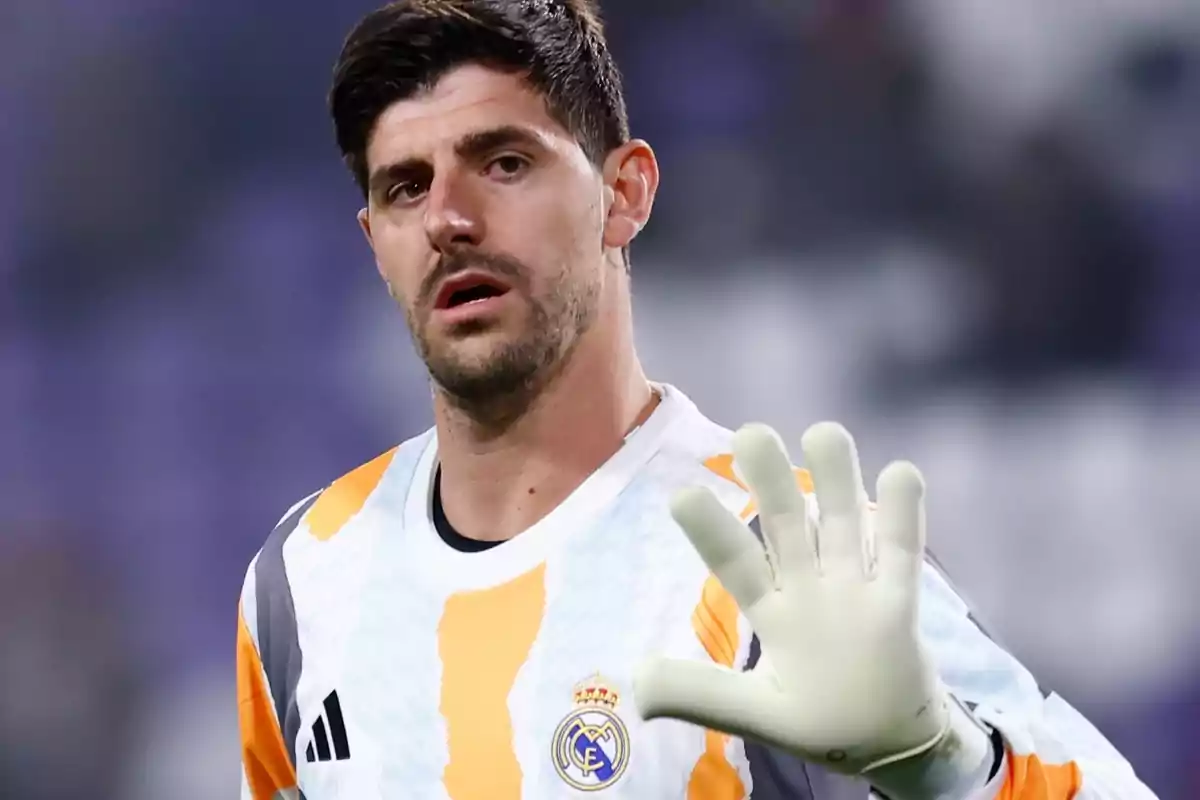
[(375, 661)]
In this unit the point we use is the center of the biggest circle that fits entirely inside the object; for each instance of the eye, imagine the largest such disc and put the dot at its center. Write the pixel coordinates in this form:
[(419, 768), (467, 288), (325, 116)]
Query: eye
[(507, 167), (404, 192)]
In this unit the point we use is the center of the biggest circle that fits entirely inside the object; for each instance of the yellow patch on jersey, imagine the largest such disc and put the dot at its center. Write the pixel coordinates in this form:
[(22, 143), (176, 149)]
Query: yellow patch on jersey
[(346, 497), (483, 639)]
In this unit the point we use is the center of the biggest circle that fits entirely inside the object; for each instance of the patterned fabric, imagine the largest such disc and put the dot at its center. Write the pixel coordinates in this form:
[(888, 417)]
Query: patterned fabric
[(375, 661)]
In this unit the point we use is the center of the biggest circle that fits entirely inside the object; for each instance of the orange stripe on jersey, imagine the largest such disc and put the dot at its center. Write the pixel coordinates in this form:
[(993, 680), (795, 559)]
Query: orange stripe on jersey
[(345, 497), (483, 639), (1030, 779), (722, 465), (715, 621), (264, 755)]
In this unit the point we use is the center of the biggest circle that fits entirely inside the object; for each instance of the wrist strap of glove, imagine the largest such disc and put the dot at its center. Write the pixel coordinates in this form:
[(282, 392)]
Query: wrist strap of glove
[(957, 761)]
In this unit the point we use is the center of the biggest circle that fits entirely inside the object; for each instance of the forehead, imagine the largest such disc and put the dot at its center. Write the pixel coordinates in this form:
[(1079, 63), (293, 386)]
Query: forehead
[(465, 100)]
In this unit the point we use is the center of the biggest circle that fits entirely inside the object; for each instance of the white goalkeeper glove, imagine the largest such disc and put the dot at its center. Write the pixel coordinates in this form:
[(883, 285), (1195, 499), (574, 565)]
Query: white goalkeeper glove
[(843, 679)]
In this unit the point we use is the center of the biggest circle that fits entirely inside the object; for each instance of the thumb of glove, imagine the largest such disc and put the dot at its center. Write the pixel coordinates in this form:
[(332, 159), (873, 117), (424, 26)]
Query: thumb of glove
[(739, 703)]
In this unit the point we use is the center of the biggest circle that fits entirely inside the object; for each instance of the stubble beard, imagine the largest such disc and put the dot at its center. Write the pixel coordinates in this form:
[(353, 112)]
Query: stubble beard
[(496, 388)]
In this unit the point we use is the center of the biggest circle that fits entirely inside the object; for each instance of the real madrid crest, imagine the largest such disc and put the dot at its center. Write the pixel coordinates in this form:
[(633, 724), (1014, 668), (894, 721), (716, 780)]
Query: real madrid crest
[(591, 745)]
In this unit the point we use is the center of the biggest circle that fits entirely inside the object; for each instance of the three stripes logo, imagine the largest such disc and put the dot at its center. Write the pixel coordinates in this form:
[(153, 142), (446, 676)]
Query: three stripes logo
[(318, 748)]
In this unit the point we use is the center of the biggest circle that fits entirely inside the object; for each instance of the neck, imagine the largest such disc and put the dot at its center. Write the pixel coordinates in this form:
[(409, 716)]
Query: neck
[(497, 484)]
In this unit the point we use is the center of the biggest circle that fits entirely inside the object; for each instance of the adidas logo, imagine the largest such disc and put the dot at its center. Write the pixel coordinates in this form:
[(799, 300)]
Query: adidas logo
[(318, 748)]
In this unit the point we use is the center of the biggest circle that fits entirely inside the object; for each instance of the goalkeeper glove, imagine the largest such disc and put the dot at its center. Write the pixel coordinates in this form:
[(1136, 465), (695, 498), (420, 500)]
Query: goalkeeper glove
[(843, 679)]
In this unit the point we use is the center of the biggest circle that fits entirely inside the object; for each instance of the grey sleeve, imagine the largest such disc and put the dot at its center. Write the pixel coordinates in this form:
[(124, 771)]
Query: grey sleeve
[(278, 640)]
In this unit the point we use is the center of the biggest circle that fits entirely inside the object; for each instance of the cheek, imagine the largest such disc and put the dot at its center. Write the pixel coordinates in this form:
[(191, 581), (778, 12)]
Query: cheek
[(397, 256), (570, 228)]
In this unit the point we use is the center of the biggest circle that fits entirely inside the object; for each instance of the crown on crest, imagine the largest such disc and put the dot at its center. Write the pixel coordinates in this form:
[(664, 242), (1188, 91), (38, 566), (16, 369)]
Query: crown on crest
[(595, 691)]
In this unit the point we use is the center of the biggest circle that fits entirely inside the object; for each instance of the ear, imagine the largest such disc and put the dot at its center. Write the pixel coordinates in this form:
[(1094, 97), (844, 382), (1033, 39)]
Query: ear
[(364, 222), (630, 182)]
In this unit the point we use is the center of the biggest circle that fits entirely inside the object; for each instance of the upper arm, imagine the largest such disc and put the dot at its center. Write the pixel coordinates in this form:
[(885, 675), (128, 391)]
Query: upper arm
[(267, 663), (266, 766), (1052, 752), (1050, 747)]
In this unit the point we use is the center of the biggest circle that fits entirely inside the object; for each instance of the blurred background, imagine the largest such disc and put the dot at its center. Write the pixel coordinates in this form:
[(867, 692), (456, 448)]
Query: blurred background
[(968, 229)]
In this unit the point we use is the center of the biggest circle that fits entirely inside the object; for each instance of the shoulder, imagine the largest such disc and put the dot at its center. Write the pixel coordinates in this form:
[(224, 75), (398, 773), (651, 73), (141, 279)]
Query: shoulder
[(324, 512), (695, 448), (699, 451)]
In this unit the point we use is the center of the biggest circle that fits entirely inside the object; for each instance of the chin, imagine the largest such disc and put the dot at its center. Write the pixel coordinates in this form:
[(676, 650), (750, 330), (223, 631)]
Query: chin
[(491, 367), (474, 350)]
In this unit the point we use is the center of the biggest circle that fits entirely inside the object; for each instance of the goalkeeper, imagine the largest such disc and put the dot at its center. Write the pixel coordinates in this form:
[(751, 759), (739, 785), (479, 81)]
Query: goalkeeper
[(504, 606)]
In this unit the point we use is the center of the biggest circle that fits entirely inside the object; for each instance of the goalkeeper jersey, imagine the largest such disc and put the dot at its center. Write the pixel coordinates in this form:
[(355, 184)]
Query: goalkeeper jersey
[(375, 661)]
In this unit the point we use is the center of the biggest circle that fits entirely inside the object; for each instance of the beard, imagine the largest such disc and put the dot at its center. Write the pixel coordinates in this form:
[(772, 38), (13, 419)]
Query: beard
[(495, 387)]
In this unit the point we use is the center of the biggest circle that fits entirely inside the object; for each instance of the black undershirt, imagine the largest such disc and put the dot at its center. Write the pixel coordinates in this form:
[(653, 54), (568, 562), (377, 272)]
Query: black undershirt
[(445, 530)]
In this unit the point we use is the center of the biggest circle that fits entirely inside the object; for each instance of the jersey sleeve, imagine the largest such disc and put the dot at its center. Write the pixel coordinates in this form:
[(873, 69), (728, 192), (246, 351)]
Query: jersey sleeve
[(268, 765), (1050, 751), (267, 769)]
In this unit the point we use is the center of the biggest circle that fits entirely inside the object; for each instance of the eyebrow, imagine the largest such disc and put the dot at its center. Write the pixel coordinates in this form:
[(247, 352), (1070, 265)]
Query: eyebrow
[(480, 143), (470, 147)]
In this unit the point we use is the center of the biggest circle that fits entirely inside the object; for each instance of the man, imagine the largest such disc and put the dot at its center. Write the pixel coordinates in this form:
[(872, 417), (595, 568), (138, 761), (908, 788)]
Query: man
[(484, 611)]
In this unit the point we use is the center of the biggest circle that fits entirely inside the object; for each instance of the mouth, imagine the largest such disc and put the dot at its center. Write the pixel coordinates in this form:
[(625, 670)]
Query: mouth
[(468, 289)]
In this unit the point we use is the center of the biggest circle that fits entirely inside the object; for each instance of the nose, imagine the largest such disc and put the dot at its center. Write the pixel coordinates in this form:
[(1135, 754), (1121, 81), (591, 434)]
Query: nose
[(454, 215)]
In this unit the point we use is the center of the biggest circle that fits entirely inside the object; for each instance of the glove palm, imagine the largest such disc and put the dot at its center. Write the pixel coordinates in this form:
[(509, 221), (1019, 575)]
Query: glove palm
[(831, 594)]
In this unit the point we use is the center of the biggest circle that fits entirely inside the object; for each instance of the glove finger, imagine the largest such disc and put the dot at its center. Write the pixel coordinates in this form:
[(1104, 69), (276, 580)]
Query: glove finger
[(703, 693), (832, 458), (763, 461), (900, 493), (730, 550)]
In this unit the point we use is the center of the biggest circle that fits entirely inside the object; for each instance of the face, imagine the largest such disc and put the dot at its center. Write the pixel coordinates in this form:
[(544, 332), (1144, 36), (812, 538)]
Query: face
[(491, 227)]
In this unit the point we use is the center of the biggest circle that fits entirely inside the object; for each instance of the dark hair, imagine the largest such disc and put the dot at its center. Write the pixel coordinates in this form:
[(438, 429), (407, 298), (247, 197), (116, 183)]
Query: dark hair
[(405, 47)]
